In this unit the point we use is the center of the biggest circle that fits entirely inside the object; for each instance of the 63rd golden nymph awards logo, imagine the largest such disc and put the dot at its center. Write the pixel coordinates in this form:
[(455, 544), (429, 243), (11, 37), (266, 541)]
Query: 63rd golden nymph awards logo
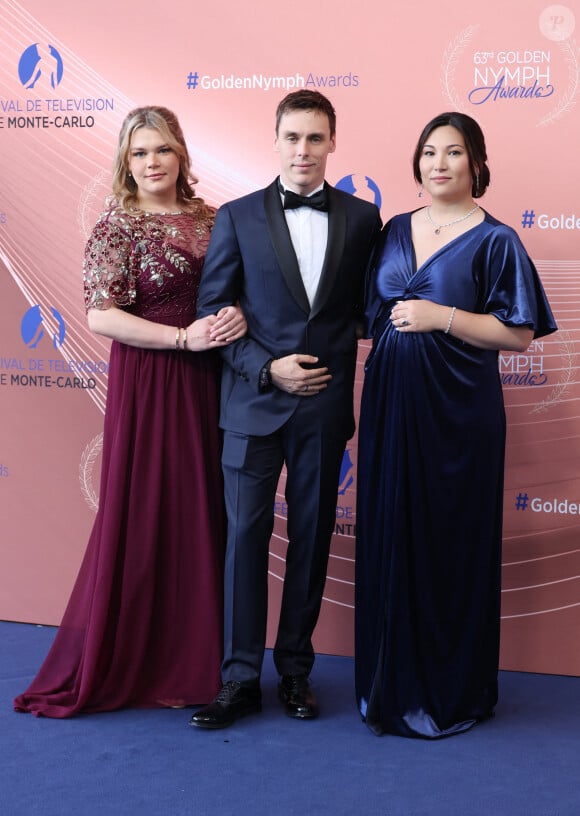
[(530, 67)]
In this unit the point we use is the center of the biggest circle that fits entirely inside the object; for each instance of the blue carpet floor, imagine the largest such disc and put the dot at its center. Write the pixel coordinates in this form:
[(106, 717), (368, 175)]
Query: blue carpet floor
[(524, 762)]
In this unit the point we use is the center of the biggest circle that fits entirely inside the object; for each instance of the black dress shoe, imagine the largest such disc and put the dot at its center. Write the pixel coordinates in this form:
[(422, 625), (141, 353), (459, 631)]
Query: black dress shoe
[(232, 702), (298, 698)]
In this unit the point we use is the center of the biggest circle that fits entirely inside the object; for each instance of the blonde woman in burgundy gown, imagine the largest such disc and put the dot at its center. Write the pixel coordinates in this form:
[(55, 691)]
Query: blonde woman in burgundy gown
[(143, 625)]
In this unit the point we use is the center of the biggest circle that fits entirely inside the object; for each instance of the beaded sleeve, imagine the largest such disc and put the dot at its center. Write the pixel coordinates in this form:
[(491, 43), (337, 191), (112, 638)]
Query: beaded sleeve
[(107, 274)]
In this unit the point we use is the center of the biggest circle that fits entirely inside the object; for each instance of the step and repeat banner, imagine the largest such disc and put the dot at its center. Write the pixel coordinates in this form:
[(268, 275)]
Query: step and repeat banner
[(68, 76)]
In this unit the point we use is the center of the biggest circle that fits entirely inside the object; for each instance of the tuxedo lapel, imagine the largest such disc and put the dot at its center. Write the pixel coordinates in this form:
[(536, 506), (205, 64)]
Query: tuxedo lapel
[(282, 243), (334, 248)]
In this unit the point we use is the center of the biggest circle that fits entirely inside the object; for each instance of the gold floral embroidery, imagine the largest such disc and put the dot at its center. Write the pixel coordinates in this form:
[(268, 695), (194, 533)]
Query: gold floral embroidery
[(127, 247)]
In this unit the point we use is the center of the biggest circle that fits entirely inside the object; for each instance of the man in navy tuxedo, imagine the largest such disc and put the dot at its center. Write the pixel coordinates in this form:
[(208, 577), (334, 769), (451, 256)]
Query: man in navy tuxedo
[(294, 256)]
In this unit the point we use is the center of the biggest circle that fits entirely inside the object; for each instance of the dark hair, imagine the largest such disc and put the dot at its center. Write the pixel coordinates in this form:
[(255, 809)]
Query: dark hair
[(307, 100), (474, 144)]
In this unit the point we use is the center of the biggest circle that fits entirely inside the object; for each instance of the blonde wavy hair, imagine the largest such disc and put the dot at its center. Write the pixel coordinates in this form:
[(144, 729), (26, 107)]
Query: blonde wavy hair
[(165, 121)]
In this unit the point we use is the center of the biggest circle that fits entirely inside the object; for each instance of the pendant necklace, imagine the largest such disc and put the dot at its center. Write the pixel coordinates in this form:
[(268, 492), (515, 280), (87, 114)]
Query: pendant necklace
[(439, 227)]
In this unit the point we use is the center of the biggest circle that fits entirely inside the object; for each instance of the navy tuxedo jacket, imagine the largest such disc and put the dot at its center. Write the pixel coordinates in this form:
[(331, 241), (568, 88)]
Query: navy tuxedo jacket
[(251, 259)]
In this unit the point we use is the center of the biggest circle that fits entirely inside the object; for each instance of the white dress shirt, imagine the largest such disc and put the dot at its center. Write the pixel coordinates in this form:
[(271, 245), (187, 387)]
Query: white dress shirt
[(309, 233)]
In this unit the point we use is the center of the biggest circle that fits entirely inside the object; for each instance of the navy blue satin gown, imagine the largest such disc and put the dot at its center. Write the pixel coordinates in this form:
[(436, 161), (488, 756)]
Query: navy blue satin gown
[(430, 484)]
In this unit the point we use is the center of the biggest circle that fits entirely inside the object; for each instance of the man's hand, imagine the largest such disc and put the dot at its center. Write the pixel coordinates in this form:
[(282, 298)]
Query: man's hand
[(288, 374)]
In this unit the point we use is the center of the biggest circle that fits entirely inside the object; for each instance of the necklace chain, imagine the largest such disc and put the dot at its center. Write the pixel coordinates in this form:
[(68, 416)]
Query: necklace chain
[(439, 227)]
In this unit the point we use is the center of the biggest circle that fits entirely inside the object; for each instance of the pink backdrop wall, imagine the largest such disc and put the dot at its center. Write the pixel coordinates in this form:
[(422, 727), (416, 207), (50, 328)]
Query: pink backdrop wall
[(68, 76)]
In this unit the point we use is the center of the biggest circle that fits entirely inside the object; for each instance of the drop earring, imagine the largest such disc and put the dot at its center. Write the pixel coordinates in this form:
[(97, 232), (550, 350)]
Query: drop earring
[(420, 192), (476, 185)]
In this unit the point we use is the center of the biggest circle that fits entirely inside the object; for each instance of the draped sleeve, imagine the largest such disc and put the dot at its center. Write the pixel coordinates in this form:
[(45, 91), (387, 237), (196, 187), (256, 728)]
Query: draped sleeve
[(511, 287), (374, 303), (107, 272)]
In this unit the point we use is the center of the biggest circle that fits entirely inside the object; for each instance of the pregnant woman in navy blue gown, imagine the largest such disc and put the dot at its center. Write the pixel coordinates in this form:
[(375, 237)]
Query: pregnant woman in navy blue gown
[(450, 286)]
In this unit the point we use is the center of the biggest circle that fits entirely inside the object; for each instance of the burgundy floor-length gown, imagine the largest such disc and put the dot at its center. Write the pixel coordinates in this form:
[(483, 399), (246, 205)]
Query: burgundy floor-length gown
[(430, 484), (143, 626)]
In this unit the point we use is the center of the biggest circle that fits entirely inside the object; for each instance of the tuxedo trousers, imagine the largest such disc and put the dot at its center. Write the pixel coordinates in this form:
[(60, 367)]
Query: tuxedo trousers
[(312, 453)]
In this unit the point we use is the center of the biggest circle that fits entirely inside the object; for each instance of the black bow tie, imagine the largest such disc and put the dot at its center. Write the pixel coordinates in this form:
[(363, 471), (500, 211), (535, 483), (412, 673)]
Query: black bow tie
[(318, 201)]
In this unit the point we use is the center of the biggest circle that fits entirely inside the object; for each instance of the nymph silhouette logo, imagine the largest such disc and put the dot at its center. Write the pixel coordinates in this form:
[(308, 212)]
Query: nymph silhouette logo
[(40, 64), (34, 325), (361, 186)]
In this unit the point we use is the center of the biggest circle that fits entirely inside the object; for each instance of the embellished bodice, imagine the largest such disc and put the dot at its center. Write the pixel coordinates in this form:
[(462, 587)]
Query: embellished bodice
[(148, 264)]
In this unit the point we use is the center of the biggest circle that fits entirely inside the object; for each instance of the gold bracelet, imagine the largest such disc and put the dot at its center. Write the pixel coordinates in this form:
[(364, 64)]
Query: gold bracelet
[(177, 337), (185, 339), (450, 321)]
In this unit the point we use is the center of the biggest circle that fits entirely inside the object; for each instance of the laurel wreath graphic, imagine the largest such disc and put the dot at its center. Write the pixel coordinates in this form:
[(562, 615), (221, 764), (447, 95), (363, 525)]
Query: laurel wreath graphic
[(568, 100), (88, 458), (85, 215), (561, 388), (454, 50), (449, 64)]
